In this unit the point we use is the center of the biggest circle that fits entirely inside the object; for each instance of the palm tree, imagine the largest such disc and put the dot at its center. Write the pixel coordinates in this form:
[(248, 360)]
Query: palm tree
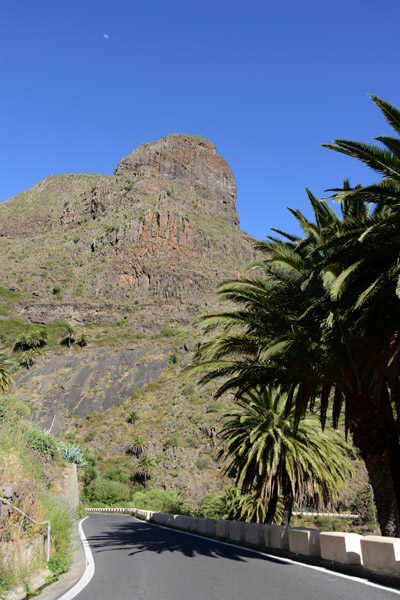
[(69, 335), (29, 357), (82, 340), (145, 467), (276, 461), (21, 341), (310, 323), (5, 377), (137, 446)]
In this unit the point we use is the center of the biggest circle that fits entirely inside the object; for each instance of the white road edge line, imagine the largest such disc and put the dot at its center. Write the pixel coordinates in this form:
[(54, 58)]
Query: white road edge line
[(89, 571), (286, 560)]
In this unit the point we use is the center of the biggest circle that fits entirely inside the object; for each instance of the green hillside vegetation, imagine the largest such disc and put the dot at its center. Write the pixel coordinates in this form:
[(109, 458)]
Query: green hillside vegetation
[(29, 455)]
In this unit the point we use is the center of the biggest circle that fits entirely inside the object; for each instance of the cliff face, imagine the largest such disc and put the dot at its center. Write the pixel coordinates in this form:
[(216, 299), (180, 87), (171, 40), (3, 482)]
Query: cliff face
[(163, 228)]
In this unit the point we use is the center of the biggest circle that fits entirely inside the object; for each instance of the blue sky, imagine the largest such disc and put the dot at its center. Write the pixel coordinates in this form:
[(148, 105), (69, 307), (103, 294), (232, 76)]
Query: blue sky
[(267, 82)]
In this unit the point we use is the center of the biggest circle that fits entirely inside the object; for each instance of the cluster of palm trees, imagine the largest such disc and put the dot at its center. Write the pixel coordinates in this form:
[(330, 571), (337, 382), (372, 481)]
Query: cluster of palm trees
[(320, 318)]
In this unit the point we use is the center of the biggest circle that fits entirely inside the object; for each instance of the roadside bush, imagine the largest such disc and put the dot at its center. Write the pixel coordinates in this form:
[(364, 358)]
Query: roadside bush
[(168, 501), (212, 506), (61, 523), (106, 491)]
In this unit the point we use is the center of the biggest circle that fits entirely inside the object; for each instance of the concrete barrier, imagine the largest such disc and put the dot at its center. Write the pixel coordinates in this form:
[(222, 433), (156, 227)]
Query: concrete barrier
[(170, 520), (193, 524), (206, 527), (266, 529), (279, 537), (182, 522), (341, 547), (304, 541), (236, 531), (381, 554), (163, 518), (222, 529), (254, 534)]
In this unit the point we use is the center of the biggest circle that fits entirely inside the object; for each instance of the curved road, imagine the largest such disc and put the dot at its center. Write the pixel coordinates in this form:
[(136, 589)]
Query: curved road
[(138, 561)]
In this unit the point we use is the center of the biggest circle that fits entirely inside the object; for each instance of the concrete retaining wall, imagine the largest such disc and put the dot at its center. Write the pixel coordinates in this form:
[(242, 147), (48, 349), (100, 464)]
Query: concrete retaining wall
[(70, 487), (24, 555)]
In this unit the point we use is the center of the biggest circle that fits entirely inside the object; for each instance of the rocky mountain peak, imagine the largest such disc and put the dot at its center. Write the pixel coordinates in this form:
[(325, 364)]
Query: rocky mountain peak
[(191, 161)]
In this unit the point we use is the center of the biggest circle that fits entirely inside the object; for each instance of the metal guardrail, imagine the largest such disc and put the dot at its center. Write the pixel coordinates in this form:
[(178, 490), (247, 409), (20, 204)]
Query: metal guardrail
[(91, 509), (3, 500), (326, 514)]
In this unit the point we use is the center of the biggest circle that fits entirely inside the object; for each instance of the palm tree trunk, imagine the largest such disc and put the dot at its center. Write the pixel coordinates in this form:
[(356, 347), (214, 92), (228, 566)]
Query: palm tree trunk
[(288, 508), (372, 424), (272, 504)]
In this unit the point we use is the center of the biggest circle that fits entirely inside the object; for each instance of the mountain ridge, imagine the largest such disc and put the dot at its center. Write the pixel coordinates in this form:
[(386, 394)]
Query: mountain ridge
[(129, 260)]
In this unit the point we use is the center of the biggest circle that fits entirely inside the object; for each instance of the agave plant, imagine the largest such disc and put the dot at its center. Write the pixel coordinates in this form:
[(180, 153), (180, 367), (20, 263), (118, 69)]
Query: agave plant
[(72, 453)]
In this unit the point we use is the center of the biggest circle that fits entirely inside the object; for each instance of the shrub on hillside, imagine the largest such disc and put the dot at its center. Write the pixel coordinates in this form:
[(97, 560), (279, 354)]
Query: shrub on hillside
[(90, 470), (117, 473), (41, 441)]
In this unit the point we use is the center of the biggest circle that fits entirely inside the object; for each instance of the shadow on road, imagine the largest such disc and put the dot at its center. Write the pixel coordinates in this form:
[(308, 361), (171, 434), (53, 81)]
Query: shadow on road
[(138, 536)]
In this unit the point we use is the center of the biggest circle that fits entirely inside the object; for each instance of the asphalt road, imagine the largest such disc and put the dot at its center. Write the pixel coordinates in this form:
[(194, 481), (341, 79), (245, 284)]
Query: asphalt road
[(138, 561)]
